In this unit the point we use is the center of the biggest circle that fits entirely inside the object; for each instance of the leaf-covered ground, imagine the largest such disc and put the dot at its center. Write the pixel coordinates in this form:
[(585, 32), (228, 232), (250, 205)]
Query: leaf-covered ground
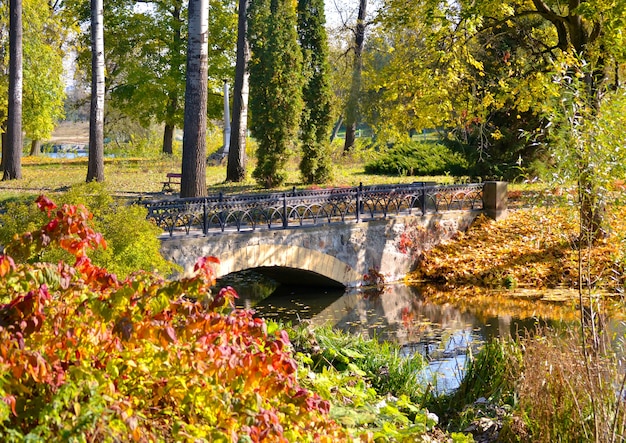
[(532, 248)]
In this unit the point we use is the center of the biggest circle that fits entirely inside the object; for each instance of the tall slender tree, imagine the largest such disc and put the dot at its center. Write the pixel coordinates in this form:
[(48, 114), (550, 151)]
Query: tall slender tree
[(315, 165), (275, 86), (236, 168), (43, 93), (45, 36), (12, 155), (95, 166), (193, 182), (352, 109)]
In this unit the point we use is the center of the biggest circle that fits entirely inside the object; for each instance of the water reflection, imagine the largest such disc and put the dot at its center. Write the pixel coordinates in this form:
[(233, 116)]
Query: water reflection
[(401, 314), (440, 330)]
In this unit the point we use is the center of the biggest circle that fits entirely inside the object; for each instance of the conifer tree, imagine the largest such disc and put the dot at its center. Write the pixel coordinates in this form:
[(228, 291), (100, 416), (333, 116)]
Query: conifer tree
[(315, 125), (275, 86)]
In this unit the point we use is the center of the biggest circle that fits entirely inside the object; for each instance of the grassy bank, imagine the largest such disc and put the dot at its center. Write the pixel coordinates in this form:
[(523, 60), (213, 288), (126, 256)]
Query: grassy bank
[(144, 176), (549, 385)]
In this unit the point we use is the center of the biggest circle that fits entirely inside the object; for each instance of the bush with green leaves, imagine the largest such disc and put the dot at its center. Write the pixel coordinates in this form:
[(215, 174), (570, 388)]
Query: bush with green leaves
[(88, 357), (418, 158), (386, 369), (132, 241)]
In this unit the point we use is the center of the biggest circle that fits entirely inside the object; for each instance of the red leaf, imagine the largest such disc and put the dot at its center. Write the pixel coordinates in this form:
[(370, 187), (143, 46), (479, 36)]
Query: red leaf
[(10, 400), (45, 204), (170, 334)]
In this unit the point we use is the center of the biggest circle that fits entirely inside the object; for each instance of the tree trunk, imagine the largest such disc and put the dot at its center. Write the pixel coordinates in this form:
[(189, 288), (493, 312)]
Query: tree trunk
[(35, 147), (333, 135), (193, 181), (5, 142), (352, 109), (236, 168), (12, 155), (95, 167), (168, 138)]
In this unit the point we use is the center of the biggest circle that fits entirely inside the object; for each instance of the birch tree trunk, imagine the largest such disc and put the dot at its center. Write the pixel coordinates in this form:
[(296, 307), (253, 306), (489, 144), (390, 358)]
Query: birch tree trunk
[(12, 154), (95, 167), (193, 181)]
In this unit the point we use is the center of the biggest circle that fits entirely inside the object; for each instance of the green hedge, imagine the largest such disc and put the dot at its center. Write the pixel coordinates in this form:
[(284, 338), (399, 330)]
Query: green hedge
[(418, 158), (132, 241)]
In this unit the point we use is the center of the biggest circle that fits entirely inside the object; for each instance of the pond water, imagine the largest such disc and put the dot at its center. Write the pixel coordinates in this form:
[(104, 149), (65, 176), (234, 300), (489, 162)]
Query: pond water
[(439, 326), (67, 155)]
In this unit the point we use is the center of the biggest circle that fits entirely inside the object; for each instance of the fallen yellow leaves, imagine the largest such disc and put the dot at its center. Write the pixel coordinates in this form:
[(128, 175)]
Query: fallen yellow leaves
[(531, 248)]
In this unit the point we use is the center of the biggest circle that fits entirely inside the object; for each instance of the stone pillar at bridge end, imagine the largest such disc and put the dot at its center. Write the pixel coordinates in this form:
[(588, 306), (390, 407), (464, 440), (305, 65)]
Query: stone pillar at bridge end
[(495, 199)]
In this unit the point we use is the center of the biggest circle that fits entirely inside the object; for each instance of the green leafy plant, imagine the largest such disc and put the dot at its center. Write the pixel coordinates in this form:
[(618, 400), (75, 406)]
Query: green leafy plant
[(85, 356), (385, 368), (132, 241), (371, 387), (413, 158)]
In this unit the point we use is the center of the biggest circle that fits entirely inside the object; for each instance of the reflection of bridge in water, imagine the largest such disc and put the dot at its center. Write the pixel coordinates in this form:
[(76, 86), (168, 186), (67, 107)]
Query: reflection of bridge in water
[(328, 236)]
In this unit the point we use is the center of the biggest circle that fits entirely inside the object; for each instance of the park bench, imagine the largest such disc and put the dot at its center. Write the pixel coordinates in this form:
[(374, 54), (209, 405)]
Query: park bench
[(173, 178)]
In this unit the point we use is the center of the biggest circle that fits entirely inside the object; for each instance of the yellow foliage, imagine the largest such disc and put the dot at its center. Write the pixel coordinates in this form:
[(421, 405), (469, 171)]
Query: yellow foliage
[(531, 248)]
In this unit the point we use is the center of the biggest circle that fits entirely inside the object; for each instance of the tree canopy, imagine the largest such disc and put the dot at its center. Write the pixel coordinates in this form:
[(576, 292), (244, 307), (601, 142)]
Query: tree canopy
[(43, 88), (483, 69)]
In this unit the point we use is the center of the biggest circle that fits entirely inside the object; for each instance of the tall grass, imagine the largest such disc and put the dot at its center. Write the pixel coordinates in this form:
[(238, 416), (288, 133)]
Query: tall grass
[(554, 393), (386, 369), (567, 397)]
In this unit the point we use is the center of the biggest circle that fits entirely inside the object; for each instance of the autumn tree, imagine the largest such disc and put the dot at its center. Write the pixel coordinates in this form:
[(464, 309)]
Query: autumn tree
[(193, 182), (44, 85), (485, 68), (146, 63), (315, 165), (237, 159), (146, 56), (44, 35), (275, 86)]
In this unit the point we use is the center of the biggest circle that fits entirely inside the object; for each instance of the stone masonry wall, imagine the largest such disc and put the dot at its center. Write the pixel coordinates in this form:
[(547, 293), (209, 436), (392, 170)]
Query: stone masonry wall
[(341, 252)]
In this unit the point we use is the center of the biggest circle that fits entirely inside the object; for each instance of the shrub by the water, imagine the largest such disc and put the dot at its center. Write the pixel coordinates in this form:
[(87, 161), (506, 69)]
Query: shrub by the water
[(132, 241), (416, 158), (85, 356)]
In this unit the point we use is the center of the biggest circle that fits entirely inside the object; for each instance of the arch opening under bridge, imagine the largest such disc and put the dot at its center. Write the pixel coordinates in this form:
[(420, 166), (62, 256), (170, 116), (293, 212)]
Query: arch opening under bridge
[(288, 264)]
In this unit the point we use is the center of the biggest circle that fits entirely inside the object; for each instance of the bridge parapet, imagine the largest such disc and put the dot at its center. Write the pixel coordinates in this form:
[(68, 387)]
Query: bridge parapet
[(298, 208), (343, 252)]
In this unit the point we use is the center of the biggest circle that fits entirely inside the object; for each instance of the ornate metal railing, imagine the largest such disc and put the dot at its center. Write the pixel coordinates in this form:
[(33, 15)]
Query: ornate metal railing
[(248, 212)]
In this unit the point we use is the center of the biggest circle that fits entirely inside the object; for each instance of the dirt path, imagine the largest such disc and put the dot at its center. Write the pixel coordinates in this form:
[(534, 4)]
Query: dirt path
[(71, 133)]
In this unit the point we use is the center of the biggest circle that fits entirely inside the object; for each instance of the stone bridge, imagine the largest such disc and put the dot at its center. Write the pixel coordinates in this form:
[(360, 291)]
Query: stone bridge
[(335, 253)]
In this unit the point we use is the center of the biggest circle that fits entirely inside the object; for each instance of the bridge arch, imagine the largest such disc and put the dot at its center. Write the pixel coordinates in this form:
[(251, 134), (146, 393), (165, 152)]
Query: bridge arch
[(268, 256)]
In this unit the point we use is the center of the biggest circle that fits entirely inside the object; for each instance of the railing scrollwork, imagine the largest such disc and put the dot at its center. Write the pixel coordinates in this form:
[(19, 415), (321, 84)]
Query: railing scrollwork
[(298, 208)]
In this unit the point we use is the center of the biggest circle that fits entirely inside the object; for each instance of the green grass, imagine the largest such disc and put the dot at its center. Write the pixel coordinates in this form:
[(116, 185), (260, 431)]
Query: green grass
[(144, 176)]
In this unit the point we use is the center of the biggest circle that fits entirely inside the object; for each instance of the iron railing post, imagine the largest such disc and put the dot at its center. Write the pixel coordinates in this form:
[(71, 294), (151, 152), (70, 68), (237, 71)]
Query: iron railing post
[(285, 222), (205, 217), (221, 214), (358, 202), (423, 198)]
